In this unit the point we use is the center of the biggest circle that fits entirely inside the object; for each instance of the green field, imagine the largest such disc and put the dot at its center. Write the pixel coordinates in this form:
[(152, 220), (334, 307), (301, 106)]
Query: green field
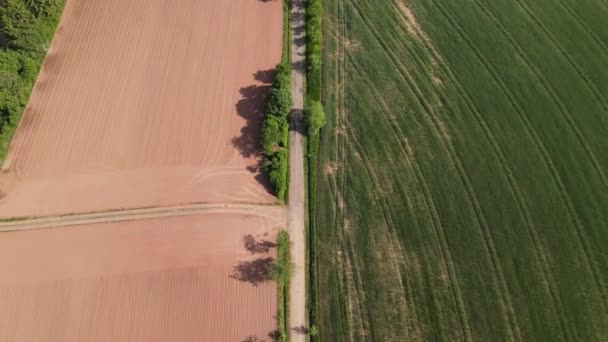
[(462, 188)]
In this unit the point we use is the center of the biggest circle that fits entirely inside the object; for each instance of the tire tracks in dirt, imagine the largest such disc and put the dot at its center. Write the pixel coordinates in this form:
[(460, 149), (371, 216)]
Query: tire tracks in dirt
[(271, 212)]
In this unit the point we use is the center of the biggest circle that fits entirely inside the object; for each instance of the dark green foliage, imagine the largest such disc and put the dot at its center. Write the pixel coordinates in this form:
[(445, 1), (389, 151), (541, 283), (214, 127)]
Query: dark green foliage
[(278, 101), (274, 133), (275, 130), (26, 29), (276, 165), (283, 79)]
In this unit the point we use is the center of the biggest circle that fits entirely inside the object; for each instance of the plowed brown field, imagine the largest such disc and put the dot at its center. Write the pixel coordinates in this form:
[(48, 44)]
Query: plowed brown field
[(169, 279), (145, 103)]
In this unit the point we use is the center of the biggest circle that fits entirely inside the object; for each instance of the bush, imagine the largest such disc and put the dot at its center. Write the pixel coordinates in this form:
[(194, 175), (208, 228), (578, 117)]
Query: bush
[(281, 271), (275, 130), (278, 102), (315, 118), (283, 79), (276, 166), (274, 134)]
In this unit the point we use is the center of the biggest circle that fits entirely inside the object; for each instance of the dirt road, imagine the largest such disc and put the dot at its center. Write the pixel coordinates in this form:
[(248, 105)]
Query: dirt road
[(297, 309), (271, 212)]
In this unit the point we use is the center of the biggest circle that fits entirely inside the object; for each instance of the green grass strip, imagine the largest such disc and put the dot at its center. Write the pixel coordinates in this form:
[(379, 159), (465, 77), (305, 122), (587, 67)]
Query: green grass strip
[(282, 271)]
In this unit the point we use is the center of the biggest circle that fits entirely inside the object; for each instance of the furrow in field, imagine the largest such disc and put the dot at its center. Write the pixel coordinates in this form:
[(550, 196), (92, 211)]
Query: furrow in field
[(533, 134)]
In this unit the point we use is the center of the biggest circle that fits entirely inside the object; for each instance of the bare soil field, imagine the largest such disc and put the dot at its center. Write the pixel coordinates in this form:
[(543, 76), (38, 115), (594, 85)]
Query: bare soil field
[(144, 103), (186, 278)]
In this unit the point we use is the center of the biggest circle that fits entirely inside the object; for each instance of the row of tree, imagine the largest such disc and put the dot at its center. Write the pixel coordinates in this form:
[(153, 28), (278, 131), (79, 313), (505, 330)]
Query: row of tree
[(275, 130)]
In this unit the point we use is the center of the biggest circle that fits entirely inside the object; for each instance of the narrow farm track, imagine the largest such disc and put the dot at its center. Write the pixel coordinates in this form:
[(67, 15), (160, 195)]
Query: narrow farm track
[(273, 213), (297, 300)]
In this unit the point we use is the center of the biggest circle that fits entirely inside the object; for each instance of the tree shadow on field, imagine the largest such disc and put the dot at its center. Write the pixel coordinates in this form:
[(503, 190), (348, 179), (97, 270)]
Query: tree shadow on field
[(251, 108), (251, 338), (301, 330), (255, 246), (255, 271), (274, 335)]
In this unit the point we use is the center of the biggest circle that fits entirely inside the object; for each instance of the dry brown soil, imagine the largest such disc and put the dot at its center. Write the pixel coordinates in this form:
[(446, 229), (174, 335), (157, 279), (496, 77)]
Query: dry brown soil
[(180, 278), (145, 103)]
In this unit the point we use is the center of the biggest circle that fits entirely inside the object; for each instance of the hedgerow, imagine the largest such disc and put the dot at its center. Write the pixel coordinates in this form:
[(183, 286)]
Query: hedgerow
[(314, 11), (282, 270), (275, 129), (315, 119)]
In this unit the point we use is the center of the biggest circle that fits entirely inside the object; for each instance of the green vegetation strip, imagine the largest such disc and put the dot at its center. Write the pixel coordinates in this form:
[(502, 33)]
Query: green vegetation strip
[(282, 271), (26, 30), (315, 119)]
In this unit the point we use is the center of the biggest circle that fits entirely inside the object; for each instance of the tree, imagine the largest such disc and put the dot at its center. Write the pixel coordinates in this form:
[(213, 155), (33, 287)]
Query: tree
[(315, 118), (274, 134), (278, 102)]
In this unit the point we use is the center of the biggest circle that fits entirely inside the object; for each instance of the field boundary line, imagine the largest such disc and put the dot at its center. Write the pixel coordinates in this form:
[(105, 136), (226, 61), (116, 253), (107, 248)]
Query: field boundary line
[(275, 212)]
